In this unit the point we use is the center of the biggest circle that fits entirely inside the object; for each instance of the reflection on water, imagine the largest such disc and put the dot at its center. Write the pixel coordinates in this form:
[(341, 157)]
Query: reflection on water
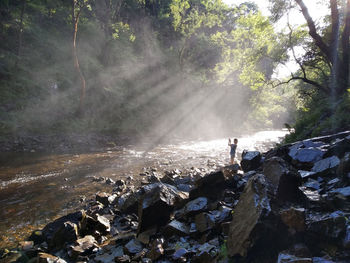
[(36, 188)]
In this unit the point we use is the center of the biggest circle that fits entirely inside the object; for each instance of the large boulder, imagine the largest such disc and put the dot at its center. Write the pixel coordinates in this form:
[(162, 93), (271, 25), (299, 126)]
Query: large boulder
[(253, 227), (283, 183), (157, 203), (326, 228), (97, 223), (63, 230), (210, 185), (250, 160)]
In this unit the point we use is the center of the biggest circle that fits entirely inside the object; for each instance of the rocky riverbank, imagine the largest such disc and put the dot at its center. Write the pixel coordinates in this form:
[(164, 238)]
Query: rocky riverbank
[(291, 204)]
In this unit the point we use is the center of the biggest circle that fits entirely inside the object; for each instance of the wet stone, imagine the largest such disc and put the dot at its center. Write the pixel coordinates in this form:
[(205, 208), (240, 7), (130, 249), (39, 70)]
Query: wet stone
[(133, 246)]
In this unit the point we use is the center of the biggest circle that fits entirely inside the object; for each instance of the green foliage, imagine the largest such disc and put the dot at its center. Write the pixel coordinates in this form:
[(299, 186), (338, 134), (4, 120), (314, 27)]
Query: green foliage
[(142, 60)]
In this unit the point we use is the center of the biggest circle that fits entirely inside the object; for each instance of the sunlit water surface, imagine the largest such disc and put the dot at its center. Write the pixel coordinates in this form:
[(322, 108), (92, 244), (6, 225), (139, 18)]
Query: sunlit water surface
[(36, 188)]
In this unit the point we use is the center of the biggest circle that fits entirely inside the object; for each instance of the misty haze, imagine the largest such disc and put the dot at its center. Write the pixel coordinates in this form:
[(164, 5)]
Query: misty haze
[(136, 130)]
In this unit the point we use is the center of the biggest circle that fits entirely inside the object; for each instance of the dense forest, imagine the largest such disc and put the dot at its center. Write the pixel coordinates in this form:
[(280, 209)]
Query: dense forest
[(170, 67)]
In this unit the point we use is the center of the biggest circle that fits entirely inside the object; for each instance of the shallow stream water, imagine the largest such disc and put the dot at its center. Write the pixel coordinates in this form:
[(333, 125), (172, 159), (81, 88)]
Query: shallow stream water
[(36, 188)]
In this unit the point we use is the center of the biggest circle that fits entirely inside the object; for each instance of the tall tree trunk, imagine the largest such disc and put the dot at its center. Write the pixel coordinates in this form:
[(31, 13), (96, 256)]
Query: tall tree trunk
[(75, 21), (331, 51), (346, 47), (20, 33)]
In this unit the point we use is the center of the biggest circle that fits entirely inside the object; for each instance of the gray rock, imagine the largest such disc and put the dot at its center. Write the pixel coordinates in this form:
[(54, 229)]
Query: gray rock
[(128, 202), (157, 204), (328, 227), (314, 144), (346, 241), (339, 147), (89, 225), (326, 165), (83, 246), (176, 228), (184, 187), (54, 232), (313, 184), (204, 221), (210, 185), (286, 258), (196, 206), (206, 253), (344, 166), (305, 174), (133, 246), (252, 207), (47, 258), (345, 191), (250, 160), (105, 199), (108, 254), (321, 260), (294, 218), (283, 183), (179, 253), (306, 155)]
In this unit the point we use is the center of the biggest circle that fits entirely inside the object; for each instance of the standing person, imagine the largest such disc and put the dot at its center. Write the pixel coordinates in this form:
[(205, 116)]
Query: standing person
[(233, 149)]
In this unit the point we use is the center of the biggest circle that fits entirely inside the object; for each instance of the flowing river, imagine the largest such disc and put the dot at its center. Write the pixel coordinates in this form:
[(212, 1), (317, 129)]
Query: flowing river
[(37, 188)]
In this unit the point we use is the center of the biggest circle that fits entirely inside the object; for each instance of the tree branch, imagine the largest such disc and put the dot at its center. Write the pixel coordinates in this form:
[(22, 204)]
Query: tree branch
[(313, 33)]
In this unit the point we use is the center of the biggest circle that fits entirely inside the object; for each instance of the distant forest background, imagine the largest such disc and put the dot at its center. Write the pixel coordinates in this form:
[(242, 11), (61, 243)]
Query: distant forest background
[(169, 67)]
